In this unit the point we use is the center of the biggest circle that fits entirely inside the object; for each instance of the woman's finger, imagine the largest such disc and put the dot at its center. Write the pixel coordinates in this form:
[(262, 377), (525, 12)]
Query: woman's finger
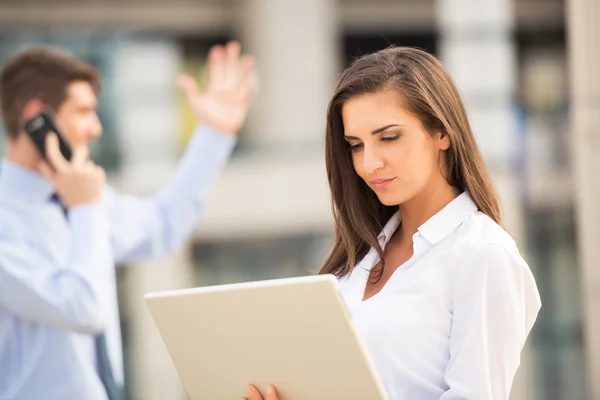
[(254, 393), (271, 393)]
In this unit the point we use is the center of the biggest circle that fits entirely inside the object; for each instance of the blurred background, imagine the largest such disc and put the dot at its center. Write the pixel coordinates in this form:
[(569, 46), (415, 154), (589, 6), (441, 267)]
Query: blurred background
[(527, 70)]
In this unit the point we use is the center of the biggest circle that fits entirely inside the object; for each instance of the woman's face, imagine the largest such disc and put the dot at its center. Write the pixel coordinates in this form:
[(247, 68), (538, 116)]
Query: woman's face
[(391, 150)]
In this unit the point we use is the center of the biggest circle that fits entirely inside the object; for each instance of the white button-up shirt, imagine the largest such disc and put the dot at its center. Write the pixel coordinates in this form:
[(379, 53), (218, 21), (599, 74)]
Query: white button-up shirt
[(451, 322)]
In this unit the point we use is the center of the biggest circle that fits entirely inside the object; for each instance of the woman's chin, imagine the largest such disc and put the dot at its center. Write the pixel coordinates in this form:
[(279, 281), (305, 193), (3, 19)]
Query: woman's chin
[(389, 199)]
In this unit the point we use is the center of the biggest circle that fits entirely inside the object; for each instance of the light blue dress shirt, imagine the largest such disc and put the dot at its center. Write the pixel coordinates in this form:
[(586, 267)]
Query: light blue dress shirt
[(57, 275)]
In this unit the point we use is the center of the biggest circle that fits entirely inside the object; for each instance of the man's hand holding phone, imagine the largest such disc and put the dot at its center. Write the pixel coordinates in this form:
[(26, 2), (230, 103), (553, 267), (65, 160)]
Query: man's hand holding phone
[(78, 181)]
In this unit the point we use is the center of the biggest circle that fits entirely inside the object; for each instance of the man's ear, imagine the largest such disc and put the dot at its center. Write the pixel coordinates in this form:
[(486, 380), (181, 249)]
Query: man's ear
[(32, 107)]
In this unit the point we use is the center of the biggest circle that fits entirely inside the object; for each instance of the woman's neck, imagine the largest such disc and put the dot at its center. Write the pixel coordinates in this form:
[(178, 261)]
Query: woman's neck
[(421, 208)]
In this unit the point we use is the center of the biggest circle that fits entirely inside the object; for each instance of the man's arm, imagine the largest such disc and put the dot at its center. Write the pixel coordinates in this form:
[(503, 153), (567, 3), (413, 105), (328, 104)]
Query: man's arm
[(158, 225), (72, 296)]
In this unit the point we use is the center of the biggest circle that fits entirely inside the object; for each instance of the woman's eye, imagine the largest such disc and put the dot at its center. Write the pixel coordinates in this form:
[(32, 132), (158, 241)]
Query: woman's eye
[(389, 138), (356, 147)]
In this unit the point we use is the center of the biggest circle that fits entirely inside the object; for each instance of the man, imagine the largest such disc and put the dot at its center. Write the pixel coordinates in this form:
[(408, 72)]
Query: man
[(62, 229)]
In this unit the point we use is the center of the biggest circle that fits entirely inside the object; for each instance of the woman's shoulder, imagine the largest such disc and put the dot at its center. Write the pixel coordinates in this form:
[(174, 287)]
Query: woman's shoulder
[(486, 245), (486, 231), (492, 262)]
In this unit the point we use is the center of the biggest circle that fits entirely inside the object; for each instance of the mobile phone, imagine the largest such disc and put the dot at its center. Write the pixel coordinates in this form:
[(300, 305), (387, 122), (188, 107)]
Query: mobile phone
[(38, 127)]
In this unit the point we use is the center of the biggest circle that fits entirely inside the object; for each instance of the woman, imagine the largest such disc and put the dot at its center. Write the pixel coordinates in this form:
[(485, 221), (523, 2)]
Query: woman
[(436, 288)]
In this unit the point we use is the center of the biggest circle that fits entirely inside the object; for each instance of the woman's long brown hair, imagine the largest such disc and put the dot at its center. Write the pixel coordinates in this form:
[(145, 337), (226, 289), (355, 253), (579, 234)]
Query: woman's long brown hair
[(430, 94)]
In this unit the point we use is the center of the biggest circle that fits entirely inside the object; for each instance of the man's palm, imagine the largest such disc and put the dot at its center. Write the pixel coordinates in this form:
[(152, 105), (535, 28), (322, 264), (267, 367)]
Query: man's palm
[(225, 103)]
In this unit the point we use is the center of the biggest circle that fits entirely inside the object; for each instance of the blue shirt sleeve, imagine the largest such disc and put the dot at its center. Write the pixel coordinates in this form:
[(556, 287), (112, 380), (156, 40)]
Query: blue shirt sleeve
[(71, 296), (143, 227)]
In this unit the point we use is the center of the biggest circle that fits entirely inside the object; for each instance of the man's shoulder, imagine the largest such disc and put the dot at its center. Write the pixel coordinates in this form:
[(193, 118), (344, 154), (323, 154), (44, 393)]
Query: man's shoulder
[(18, 216), (14, 224)]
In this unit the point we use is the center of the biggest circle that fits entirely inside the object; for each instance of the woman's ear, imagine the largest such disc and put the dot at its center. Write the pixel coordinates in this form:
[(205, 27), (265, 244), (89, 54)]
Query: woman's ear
[(442, 140)]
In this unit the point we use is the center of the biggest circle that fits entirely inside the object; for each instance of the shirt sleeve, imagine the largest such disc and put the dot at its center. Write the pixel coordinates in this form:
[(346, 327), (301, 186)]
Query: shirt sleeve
[(495, 304), (155, 226), (73, 296)]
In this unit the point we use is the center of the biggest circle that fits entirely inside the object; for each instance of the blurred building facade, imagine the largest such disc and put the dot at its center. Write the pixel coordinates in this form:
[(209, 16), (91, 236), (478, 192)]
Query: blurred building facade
[(584, 56), (269, 215)]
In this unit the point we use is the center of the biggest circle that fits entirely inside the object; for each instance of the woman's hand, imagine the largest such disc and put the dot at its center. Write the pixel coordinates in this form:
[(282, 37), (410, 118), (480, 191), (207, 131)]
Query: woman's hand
[(254, 394)]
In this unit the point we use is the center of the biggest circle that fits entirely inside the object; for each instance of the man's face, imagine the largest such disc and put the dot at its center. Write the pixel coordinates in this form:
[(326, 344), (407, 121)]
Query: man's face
[(77, 118)]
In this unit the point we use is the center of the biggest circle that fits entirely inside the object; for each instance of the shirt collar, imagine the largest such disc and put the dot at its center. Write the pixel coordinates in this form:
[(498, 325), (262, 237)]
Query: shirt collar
[(440, 225), (389, 229), (23, 181)]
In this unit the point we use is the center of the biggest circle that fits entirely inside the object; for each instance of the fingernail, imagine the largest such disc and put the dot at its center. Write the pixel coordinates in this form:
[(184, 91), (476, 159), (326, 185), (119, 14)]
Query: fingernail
[(270, 390)]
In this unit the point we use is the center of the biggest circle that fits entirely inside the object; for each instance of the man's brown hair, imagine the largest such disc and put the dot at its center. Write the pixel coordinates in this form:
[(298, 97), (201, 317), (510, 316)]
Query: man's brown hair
[(39, 73)]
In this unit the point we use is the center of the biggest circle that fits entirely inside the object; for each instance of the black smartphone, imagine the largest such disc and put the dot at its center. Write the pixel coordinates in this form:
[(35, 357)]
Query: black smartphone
[(38, 128)]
